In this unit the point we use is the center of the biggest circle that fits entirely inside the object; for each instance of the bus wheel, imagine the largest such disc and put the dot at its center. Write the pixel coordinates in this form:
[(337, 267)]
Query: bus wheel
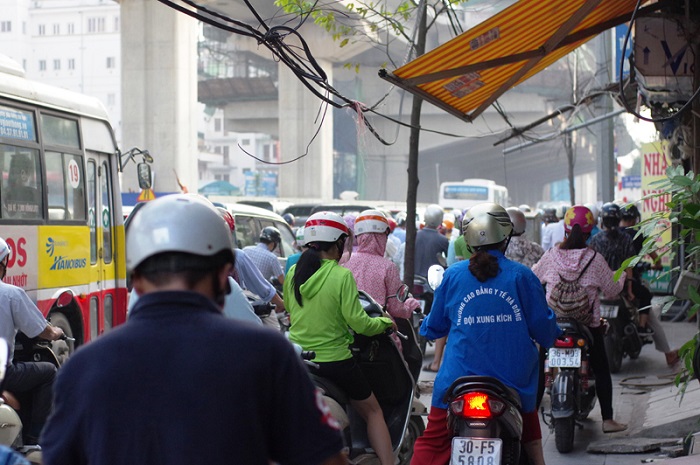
[(62, 349)]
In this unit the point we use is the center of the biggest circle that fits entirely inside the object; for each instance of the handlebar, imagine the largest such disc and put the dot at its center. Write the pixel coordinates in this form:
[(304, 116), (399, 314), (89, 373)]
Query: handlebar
[(66, 338)]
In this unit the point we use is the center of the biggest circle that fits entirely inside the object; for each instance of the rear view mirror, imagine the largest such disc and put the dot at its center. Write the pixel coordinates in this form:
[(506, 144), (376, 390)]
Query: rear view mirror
[(402, 293), (144, 175), (435, 273)]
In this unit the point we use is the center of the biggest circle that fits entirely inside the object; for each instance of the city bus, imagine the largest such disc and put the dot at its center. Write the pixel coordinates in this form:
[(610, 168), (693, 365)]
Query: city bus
[(60, 205), (465, 194)]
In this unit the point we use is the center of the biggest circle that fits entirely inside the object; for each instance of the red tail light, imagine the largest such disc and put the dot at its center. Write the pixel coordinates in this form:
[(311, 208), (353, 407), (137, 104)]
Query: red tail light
[(64, 299), (565, 341), (477, 405)]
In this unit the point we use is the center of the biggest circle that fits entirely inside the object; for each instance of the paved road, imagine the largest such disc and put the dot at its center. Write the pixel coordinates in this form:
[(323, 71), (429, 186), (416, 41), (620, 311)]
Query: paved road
[(630, 404)]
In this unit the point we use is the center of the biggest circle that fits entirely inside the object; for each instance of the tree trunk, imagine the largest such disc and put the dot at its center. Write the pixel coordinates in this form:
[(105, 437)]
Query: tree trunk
[(413, 146)]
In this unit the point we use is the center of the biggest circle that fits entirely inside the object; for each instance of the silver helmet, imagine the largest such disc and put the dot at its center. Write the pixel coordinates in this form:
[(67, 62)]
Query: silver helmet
[(486, 229), (517, 217), (493, 209), (433, 216)]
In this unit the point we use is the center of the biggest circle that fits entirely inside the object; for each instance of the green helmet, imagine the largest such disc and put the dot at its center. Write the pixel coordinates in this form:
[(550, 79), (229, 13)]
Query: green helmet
[(486, 229)]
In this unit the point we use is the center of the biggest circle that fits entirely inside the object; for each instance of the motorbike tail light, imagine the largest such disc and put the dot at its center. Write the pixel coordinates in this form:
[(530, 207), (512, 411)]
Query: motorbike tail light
[(64, 299), (581, 343), (548, 380), (564, 341), (477, 405)]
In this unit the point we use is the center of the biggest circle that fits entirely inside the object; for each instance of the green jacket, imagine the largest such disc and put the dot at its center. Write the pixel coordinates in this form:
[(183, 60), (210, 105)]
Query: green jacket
[(461, 249), (330, 307)]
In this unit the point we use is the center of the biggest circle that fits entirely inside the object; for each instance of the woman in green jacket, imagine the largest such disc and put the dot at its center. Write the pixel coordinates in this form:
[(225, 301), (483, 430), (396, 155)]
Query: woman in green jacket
[(322, 300)]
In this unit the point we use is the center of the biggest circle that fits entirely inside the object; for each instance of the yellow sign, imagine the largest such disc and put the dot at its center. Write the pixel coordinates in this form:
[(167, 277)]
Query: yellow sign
[(656, 160), (146, 195)]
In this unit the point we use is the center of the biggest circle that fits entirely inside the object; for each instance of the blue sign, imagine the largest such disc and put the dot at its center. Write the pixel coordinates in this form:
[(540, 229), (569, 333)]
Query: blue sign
[(466, 192), (17, 124), (619, 40), (631, 182)]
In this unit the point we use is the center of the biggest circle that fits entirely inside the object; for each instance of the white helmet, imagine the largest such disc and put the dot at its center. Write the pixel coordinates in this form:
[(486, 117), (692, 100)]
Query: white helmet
[(494, 209), (166, 225), (5, 249), (433, 216), (371, 221), (324, 227), (517, 217)]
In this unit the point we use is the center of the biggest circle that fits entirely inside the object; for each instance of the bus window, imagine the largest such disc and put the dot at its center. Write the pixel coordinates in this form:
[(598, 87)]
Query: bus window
[(92, 199), (59, 131), (106, 216), (21, 189), (65, 186)]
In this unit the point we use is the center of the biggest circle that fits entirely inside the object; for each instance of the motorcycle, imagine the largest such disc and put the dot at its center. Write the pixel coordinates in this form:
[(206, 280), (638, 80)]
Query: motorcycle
[(393, 385), (483, 415), (423, 293), (26, 350), (622, 339), (569, 382)]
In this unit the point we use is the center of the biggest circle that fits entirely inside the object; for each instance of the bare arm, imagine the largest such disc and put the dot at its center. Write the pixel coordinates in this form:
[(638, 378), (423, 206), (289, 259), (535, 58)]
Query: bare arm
[(51, 333)]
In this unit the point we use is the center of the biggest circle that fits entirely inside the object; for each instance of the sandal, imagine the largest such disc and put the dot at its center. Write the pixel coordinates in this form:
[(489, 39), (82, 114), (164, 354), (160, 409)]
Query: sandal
[(429, 368), (611, 426), (672, 358)]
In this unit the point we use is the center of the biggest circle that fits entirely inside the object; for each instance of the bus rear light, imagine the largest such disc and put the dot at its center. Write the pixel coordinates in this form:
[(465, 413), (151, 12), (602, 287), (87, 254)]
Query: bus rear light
[(64, 299)]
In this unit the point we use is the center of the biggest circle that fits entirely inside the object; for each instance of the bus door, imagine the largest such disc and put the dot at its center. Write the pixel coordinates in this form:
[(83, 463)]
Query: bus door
[(103, 281)]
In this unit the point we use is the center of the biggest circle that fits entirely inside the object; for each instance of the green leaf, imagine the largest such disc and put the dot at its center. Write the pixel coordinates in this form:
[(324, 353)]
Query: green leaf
[(344, 42), (682, 181), (690, 223), (694, 295)]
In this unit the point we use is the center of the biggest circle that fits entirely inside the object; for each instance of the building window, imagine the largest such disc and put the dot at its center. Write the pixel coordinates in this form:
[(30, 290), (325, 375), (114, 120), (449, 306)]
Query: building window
[(96, 25), (42, 65), (227, 160), (71, 63), (42, 29), (5, 26), (70, 28), (217, 124), (57, 64), (111, 62), (56, 29)]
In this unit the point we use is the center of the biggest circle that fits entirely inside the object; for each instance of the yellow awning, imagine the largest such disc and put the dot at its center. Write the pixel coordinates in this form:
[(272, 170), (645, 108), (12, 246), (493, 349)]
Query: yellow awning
[(467, 74)]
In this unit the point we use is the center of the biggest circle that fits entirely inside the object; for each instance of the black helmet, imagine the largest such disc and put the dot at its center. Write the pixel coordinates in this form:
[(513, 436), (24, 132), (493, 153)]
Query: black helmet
[(610, 210), (289, 218), (630, 212), (270, 234), (550, 215)]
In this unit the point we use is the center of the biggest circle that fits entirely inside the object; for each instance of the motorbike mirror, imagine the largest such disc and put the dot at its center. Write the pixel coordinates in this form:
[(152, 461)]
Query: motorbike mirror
[(435, 273), (402, 293), (4, 353), (143, 171)]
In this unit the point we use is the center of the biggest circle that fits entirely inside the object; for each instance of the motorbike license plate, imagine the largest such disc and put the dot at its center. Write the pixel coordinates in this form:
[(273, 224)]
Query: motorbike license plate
[(564, 358), (608, 311), (476, 451)]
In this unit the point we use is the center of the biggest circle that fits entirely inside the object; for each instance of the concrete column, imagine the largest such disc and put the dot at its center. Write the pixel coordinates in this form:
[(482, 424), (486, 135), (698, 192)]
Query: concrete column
[(311, 176), (159, 92)]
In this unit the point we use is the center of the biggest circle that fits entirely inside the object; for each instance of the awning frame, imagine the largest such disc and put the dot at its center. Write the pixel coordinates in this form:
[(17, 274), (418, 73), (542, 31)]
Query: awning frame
[(561, 38)]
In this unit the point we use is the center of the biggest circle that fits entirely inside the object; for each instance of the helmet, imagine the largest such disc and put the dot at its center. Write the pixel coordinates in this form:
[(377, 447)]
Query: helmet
[(5, 249), (517, 217), (579, 215), (562, 211), (324, 227), (289, 218), (491, 208), (525, 208), (449, 225), (227, 217), (433, 216), (299, 236), (165, 225), (401, 218), (610, 210), (631, 212), (271, 234), (485, 229), (549, 215), (593, 208), (371, 221)]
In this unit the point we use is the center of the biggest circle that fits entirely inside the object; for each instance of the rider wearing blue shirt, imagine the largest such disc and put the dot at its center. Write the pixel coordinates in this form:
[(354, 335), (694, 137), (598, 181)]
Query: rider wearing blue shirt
[(493, 310)]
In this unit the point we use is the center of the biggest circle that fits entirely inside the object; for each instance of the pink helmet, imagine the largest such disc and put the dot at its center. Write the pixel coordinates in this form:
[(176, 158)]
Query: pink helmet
[(580, 215)]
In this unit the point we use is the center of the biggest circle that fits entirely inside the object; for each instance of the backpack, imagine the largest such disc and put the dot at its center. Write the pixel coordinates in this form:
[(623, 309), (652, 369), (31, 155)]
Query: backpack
[(569, 299)]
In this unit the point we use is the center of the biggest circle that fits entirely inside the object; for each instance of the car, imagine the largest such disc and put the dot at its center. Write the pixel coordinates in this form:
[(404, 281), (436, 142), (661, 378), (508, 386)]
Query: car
[(251, 220), (301, 211)]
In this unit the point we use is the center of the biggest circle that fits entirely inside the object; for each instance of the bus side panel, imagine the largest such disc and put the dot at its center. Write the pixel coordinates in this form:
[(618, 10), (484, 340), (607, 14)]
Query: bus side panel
[(22, 269)]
